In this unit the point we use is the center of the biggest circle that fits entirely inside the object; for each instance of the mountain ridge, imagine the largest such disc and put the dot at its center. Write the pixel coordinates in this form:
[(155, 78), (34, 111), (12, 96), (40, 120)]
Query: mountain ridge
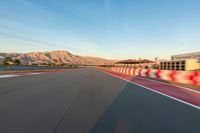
[(56, 57)]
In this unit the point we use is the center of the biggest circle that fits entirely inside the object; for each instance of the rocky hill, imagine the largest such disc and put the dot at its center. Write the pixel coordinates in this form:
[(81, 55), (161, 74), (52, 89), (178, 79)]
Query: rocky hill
[(56, 57)]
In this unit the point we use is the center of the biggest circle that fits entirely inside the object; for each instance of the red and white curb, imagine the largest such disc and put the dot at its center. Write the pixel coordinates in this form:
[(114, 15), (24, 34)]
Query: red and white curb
[(185, 77), (177, 93)]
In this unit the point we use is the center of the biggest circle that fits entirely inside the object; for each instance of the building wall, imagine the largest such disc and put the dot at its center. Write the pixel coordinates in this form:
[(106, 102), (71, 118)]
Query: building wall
[(192, 65), (180, 65)]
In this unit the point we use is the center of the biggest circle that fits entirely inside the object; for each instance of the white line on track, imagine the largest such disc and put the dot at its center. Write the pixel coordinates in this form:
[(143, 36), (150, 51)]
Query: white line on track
[(8, 76), (176, 99), (17, 75), (35, 73), (170, 85)]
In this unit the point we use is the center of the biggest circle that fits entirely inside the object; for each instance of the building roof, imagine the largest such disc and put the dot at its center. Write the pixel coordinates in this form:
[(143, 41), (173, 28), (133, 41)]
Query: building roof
[(130, 61), (188, 54), (177, 60), (195, 55)]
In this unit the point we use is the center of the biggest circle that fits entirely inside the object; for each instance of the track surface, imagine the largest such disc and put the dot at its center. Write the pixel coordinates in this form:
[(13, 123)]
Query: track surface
[(185, 95), (86, 100)]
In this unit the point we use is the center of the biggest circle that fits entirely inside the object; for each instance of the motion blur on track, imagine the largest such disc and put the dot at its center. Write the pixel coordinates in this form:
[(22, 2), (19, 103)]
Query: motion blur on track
[(87, 100)]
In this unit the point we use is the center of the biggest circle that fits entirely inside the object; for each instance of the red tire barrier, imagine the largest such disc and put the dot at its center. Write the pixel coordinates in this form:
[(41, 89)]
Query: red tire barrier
[(185, 77)]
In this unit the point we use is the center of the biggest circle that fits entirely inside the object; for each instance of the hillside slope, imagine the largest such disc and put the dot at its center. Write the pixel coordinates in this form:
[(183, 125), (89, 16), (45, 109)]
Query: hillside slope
[(57, 57)]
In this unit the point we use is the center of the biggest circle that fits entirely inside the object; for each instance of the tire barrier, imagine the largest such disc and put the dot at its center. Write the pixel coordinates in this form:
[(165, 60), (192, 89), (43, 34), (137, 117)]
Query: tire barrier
[(185, 77)]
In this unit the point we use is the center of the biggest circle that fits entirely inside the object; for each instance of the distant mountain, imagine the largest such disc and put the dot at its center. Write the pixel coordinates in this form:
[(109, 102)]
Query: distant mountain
[(57, 57)]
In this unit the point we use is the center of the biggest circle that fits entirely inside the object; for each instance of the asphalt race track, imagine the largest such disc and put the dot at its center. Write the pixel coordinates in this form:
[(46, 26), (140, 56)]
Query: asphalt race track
[(89, 101)]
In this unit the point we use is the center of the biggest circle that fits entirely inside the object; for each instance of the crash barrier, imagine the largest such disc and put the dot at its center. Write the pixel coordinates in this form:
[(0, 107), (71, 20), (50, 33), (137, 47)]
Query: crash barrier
[(186, 77)]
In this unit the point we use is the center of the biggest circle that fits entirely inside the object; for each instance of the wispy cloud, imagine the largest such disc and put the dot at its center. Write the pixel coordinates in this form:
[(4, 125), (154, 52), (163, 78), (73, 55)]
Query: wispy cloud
[(14, 28), (34, 7), (33, 37), (27, 39), (108, 7), (29, 34)]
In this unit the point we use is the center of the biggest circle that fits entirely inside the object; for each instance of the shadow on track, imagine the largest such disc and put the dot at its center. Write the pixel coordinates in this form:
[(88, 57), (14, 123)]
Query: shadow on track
[(137, 110)]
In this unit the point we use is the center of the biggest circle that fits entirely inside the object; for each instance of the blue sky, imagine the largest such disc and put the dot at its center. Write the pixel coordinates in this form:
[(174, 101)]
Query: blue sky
[(114, 29)]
